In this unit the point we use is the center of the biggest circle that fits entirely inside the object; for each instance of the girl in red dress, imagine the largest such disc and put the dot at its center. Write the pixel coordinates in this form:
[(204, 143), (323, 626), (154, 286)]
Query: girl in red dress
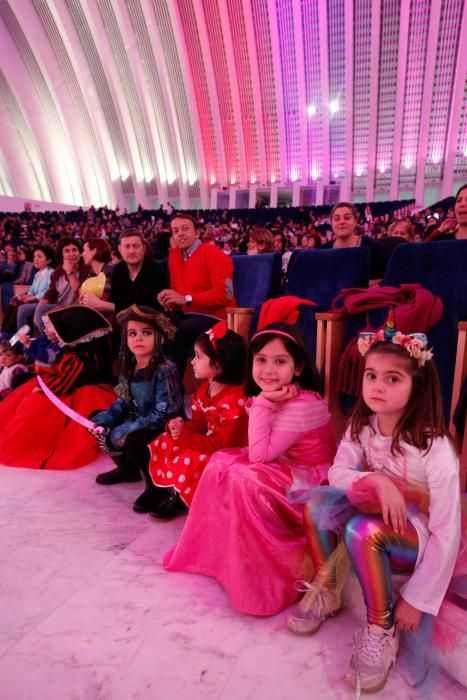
[(219, 420)]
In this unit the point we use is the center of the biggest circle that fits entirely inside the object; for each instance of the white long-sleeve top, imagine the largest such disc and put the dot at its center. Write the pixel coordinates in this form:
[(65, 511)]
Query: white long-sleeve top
[(439, 531)]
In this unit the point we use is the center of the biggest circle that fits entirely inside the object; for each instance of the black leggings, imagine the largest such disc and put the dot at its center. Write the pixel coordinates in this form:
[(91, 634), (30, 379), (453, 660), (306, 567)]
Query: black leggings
[(136, 456)]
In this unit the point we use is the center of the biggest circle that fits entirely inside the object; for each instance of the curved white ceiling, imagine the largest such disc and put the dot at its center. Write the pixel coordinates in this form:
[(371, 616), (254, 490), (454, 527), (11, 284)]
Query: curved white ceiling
[(123, 101)]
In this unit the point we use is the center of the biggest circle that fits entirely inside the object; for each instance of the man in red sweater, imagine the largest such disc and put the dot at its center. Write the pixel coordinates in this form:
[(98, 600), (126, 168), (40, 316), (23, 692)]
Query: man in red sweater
[(201, 281)]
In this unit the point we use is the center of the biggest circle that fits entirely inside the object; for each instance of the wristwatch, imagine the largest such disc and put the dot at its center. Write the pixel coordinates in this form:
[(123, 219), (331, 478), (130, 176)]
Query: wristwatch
[(188, 299)]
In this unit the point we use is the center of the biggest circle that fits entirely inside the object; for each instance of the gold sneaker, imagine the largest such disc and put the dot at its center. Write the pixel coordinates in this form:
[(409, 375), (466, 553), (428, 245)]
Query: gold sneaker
[(315, 607), (375, 652)]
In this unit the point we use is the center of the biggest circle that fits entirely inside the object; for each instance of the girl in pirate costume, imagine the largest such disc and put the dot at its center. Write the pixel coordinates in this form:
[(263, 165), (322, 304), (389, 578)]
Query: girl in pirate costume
[(148, 396), (36, 434)]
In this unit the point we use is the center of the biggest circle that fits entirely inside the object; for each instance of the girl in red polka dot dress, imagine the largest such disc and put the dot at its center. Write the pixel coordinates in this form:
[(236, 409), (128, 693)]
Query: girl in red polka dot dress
[(219, 420)]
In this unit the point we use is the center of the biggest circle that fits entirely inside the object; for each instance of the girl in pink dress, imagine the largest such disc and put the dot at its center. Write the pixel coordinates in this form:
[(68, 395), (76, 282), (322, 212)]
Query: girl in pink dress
[(219, 420), (245, 526)]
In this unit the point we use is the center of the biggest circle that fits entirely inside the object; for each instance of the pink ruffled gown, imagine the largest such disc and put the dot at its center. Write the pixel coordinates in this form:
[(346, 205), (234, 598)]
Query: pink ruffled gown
[(245, 525)]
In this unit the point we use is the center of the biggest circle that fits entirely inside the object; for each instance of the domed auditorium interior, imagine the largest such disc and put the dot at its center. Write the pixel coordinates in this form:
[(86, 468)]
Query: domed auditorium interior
[(233, 349)]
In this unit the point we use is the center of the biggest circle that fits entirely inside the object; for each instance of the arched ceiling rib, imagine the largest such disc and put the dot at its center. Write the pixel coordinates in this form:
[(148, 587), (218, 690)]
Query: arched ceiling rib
[(126, 101)]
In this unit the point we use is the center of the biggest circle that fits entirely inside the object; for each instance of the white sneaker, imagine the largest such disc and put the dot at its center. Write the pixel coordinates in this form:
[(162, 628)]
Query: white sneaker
[(317, 604), (375, 652)]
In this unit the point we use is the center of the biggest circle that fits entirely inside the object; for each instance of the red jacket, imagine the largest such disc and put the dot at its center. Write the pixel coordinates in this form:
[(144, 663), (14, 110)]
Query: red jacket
[(207, 275)]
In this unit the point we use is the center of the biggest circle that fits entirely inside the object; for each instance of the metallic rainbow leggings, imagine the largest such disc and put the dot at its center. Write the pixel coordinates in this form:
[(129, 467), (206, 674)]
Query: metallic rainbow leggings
[(374, 550)]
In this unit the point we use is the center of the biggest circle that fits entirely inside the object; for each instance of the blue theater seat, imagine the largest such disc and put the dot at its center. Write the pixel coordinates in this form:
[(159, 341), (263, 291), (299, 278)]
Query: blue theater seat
[(256, 279), (320, 275), (440, 267)]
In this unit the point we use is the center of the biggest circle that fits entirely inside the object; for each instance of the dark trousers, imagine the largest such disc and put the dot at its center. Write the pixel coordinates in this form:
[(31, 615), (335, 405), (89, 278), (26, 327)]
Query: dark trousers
[(188, 329), (136, 456)]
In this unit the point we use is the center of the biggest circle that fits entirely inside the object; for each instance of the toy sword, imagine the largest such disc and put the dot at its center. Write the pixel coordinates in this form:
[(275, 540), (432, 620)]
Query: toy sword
[(74, 415)]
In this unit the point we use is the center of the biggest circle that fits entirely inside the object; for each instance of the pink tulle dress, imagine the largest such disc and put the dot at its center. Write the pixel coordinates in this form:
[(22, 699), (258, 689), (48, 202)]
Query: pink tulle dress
[(245, 525)]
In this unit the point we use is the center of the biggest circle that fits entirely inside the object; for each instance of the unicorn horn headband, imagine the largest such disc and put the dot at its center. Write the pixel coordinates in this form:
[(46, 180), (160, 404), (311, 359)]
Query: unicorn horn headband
[(416, 344)]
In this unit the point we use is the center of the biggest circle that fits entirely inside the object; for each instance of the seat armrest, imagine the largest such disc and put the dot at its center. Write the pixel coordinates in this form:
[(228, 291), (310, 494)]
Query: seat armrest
[(330, 333), (460, 374), (239, 320), (19, 289)]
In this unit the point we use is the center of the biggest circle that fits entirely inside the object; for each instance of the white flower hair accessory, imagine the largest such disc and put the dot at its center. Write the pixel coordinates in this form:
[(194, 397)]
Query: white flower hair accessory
[(416, 344)]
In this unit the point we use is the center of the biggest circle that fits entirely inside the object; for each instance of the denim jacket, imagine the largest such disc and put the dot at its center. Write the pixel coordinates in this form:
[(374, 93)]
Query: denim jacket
[(143, 403)]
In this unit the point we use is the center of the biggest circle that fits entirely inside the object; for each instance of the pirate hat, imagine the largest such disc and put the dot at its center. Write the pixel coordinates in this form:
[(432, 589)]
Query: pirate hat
[(78, 324)]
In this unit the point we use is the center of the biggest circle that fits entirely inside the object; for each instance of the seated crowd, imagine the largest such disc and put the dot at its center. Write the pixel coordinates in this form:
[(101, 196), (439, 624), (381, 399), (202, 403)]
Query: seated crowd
[(252, 456)]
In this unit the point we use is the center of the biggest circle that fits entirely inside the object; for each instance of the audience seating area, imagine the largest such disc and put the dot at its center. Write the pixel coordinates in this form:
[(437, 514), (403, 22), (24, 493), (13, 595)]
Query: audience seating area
[(320, 275)]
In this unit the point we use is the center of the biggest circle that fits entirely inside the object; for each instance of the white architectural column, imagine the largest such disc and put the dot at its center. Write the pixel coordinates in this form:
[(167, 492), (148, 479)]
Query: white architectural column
[(233, 198), (276, 57), (400, 95), (456, 106), (253, 59), (274, 192), (324, 62), (252, 197), (349, 69), (296, 194), (432, 43), (234, 91), (374, 84)]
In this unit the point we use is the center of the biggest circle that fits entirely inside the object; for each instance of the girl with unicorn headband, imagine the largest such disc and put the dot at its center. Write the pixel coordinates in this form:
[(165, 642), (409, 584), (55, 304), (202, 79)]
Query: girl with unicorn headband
[(395, 500)]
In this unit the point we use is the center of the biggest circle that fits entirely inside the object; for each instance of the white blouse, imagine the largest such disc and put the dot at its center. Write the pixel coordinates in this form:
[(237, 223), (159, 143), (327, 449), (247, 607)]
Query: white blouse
[(439, 531)]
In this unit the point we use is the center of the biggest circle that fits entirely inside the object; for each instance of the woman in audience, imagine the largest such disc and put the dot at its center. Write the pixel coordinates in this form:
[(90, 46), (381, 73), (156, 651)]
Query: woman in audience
[(34, 433), (402, 229), (261, 241), (245, 525), (97, 255), (460, 212), (280, 246), (21, 309), (344, 221), (311, 240), (65, 280), (218, 420), (454, 226)]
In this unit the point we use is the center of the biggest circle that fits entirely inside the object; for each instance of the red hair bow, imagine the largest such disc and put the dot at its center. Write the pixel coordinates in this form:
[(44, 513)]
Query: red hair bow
[(217, 332)]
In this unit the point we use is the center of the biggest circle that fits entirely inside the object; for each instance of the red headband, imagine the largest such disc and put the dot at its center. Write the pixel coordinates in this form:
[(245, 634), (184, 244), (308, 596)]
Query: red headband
[(273, 330)]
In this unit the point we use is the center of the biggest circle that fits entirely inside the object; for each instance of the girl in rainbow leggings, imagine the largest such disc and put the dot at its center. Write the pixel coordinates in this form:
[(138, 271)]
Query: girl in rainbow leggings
[(393, 502)]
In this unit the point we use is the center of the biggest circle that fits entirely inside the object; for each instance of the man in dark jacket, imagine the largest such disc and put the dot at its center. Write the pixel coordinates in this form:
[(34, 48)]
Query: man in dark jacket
[(137, 279)]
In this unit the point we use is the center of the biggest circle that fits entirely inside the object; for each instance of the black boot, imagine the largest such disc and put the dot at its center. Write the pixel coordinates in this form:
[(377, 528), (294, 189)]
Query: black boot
[(170, 508), (150, 499), (118, 475)]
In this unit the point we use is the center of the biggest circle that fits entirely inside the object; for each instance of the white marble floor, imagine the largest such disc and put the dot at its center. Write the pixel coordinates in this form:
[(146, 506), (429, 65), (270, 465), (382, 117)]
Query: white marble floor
[(88, 613)]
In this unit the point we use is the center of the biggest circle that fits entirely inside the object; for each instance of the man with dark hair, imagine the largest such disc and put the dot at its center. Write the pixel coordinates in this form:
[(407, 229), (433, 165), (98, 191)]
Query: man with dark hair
[(201, 285), (137, 279)]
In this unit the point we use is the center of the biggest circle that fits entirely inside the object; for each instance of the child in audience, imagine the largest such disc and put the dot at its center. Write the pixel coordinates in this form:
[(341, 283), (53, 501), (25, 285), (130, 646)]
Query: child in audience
[(4, 346), (13, 365), (34, 433), (219, 420), (149, 396), (396, 479), (245, 526)]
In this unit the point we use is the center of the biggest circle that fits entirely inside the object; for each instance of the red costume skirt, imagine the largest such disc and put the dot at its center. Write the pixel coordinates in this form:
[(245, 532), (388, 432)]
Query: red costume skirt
[(35, 434)]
